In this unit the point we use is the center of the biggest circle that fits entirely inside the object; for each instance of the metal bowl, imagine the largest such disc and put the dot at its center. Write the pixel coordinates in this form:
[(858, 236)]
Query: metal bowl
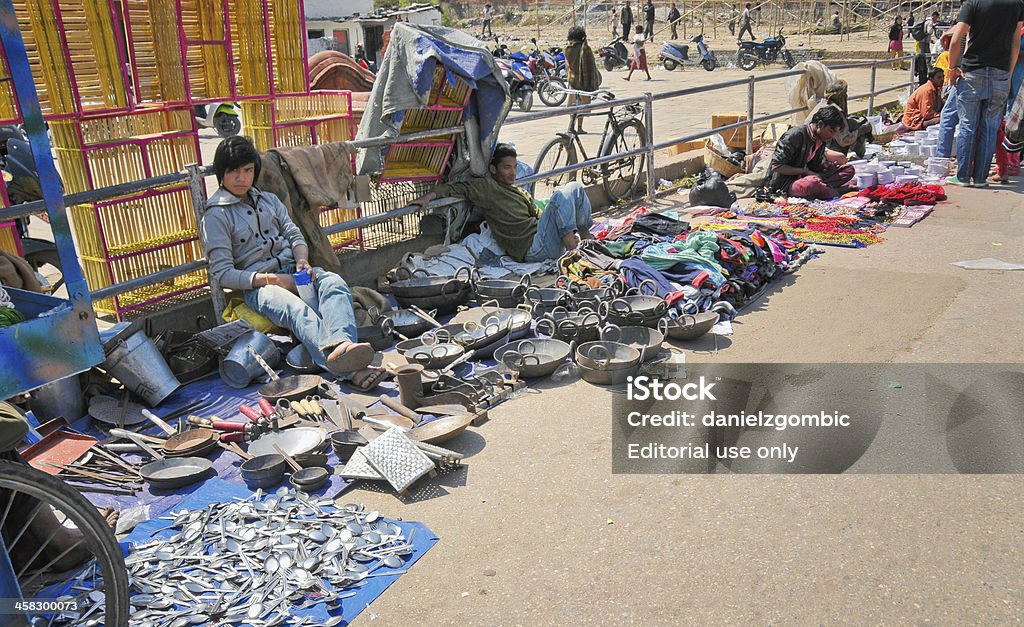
[(599, 376), (644, 339), (407, 322)]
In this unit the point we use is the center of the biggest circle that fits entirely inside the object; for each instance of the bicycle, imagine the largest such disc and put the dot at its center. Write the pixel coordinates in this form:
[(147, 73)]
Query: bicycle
[(623, 131), (28, 495)]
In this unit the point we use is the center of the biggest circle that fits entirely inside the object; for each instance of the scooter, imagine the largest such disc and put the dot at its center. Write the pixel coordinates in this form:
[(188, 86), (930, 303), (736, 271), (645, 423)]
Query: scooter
[(767, 51), (16, 160), (675, 55), (615, 54), (516, 72), (220, 116)]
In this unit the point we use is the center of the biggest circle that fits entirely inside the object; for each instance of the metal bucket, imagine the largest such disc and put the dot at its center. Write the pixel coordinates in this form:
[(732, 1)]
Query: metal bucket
[(239, 368), (60, 398), (136, 363)]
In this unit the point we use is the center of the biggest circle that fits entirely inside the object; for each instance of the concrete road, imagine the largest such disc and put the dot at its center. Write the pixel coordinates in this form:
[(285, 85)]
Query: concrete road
[(536, 529)]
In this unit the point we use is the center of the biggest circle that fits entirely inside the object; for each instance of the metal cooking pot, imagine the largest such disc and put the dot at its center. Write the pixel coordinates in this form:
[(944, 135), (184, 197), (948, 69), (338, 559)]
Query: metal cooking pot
[(407, 322), (176, 472), (534, 358), (607, 356), (420, 284), (377, 335), (690, 327), (644, 339), (568, 327), (503, 290), (444, 303), (435, 356), (516, 319), (544, 299)]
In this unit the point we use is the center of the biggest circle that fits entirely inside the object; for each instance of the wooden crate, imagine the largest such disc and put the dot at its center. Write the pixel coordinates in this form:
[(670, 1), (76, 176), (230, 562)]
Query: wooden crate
[(416, 161), (734, 138), (9, 240)]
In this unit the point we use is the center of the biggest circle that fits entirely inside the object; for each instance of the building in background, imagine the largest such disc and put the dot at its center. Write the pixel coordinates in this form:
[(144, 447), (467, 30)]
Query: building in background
[(343, 24)]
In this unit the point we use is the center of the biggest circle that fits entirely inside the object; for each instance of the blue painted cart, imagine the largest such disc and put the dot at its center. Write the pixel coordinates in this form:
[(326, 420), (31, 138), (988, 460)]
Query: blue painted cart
[(59, 337)]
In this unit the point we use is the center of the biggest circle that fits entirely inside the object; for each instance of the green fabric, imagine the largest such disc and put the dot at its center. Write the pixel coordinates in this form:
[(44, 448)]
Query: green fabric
[(508, 210), (13, 427), (699, 247), (620, 248)]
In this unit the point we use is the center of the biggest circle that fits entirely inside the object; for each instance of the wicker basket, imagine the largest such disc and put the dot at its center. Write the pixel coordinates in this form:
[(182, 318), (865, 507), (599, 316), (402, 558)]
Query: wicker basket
[(719, 163)]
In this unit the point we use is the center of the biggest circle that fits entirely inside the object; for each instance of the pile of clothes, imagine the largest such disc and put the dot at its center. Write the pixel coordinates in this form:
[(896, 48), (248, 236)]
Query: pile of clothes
[(695, 270)]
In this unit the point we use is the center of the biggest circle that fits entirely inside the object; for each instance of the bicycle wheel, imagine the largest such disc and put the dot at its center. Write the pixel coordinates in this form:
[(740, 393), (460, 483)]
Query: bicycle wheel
[(37, 513), (559, 153), (621, 177)]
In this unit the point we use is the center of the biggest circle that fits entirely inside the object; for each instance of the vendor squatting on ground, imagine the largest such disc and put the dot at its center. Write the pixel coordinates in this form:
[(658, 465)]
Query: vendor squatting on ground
[(253, 246), (802, 166), (512, 215)]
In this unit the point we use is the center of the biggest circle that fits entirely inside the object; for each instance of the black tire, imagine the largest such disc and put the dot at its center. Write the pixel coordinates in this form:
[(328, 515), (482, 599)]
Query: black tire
[(552, 92), (227, 125), (49, 490), (787, 58), (559, 153), (525, 100), (46, 257), (622, 177), (609, 65), (746, 60), (669, 64), (709, 64)]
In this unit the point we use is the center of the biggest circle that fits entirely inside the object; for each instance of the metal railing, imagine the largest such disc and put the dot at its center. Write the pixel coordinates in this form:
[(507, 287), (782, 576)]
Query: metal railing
[(195, 175)]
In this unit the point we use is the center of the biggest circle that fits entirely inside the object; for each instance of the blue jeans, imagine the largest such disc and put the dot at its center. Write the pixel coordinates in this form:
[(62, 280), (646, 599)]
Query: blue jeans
[(567, 211), (981, 103), (948, 120), (317, 330)]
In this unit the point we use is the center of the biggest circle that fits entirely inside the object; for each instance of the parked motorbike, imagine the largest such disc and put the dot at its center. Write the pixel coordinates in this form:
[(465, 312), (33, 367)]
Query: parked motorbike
[(614, 54), (549, 73), (516, 71), (220, 116), (23, 186), (767, 51), (674, 55)]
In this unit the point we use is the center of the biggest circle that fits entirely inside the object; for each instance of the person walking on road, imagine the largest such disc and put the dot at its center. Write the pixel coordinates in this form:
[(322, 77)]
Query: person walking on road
[(639, 54), (581, 66), (613, 21), (896, 41), (673, 19), (649, 20), (488, 18), (745, 24), (982, 81), (733, 14), (626, 19)]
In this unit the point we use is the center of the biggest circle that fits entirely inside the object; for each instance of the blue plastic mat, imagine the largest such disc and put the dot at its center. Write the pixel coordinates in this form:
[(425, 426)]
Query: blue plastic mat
[(218, 491)]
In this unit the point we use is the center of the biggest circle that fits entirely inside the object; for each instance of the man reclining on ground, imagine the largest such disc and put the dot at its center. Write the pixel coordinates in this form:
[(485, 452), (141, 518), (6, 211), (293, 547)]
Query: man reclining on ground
[(803, 167), (512, 215)]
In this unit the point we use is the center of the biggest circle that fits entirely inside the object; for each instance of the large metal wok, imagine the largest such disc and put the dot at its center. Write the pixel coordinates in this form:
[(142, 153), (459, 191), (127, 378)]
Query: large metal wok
[(444, 303), (516, 319), (544, 299), (474, 337), (435, 356), (407, 322), (534, 358), (568, 326), (442, 429), (420, 284), (506, 291), (691, 327), (644, 339)]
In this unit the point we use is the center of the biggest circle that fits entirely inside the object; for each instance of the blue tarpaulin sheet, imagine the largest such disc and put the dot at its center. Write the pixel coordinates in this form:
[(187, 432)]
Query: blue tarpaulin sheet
[(219, 491)]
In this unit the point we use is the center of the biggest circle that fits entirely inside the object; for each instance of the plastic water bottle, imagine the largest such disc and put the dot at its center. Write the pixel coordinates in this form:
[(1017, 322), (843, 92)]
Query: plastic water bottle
[(304, 285)]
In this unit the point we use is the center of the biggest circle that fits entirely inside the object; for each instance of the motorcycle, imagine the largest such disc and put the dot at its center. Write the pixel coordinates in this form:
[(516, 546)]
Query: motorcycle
[(615, 55), (23, 186), (674, 55), (548, 67), (220, 116), (516, 72), (767, 51)]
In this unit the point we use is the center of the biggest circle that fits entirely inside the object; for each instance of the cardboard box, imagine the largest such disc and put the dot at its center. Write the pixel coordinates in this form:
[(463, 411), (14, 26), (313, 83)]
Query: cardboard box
[(736, 137), (689, 146), (773, 132)]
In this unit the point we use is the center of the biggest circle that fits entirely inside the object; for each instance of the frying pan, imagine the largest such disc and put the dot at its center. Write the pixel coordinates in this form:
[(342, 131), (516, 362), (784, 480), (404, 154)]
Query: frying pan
[(442, 429), (168, 472), (192, 443), (294, 387), (297, 441), (406, 322)]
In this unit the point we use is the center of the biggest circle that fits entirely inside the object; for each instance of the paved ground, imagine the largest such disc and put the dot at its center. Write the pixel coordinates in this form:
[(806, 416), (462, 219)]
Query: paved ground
[(538, 531)]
